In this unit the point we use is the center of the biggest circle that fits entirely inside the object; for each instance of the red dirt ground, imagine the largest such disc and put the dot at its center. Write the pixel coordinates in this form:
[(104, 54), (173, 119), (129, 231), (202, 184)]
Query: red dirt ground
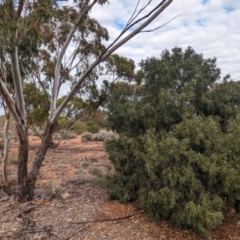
[(69, 205)]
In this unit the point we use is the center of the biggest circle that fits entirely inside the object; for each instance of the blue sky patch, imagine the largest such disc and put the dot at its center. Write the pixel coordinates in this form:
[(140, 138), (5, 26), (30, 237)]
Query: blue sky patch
[(119, 25), (201, 22), (229, 8), (205, 1)]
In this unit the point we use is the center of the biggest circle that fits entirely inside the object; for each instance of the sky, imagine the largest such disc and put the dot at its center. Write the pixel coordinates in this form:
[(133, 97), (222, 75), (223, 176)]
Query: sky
[(210, 27)]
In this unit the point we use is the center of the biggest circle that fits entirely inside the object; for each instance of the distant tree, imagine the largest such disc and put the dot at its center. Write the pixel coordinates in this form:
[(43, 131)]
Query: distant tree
[(37, 106), (74, 108), (173, 156)]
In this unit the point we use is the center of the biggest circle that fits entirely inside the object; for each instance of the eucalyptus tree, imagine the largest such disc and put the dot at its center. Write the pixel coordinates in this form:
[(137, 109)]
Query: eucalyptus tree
[(23, 29), (38, 85)]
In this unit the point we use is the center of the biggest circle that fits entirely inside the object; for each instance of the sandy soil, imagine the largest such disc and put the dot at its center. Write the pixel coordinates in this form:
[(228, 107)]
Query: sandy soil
[(69, 205)]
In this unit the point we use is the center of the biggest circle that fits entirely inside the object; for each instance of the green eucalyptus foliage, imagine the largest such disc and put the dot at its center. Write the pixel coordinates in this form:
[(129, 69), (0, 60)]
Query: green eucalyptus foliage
[(178, 149), (37, 105), (74, 108)]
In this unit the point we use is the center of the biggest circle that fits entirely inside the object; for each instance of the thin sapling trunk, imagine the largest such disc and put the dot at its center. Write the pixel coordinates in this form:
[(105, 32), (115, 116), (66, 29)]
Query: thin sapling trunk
[(5, 150)]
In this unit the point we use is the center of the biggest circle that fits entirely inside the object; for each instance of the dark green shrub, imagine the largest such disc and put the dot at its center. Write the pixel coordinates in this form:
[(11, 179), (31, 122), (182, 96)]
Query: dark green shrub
[(176, 155), (79, 128), (92, 128), (64, 123)]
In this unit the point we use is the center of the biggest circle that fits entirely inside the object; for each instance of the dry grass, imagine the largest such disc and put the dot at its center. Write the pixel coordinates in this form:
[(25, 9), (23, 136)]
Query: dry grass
[(62, 135), (13, 160), (102, 136), (54, 186)]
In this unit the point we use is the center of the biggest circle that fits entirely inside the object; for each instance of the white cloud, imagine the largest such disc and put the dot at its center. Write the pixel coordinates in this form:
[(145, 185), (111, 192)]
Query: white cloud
[(211, 28)]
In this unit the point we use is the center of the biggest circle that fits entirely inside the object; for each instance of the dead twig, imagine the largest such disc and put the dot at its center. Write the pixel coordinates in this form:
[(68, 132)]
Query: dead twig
[(151, 30), (108, 219), (33, 231), (28, 210), (79, 230), (42, 202), (24, 220), (102, 220), (53, 233)]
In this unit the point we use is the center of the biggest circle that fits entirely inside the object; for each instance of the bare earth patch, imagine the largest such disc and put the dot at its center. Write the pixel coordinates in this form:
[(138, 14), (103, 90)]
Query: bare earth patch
[(68, 205)]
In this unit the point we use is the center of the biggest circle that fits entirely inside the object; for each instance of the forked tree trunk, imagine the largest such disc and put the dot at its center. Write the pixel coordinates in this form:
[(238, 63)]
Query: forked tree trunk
[(28, 193)]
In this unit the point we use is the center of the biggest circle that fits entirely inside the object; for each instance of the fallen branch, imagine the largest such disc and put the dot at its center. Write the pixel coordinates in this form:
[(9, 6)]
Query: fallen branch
[(102, 220), (108, 219), (79, 230), (53, 233), (33, 231), (28, 210)]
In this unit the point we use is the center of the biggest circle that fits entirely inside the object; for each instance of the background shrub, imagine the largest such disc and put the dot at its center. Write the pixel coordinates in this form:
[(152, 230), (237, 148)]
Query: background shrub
[(102, 136), (178, 151), (93, 128), (79, 128), (64, 123)]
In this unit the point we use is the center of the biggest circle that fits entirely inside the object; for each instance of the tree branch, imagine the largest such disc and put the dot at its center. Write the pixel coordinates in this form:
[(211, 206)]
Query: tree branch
[(131, 23), (132, 17), (151, 30), (142, 9), (35, 131), (12, 107), (18, 83), (105, 55), (20, 7), (60, 57)]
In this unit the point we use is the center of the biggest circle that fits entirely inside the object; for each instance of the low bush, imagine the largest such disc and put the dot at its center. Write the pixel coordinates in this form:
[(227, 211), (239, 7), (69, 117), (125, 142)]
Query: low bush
[(61, 134), (79, 128), (86, 137), (102, 136), (64, 123), (93, 128)]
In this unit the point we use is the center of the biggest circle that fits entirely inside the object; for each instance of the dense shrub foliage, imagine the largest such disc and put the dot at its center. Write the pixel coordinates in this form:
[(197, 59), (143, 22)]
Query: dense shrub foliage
[(178, 152)]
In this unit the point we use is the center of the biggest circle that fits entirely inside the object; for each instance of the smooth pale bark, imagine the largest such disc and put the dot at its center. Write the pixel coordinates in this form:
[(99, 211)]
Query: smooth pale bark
[(12, 108), (56, 82), (18, 84)]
